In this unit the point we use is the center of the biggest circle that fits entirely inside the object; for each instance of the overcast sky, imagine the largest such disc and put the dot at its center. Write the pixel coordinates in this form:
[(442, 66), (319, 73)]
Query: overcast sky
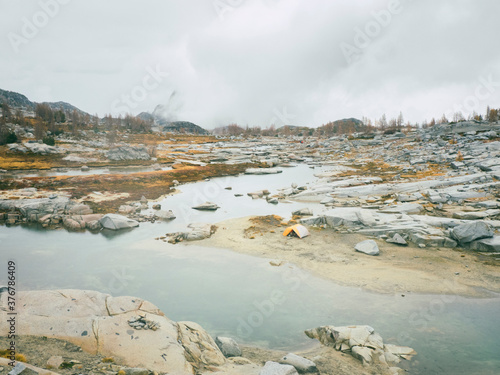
[(255, 62)]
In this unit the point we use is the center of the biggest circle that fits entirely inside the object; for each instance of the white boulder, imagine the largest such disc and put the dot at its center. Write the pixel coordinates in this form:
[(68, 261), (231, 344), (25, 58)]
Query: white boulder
[(368, 247), (116, 222), (275, 368)]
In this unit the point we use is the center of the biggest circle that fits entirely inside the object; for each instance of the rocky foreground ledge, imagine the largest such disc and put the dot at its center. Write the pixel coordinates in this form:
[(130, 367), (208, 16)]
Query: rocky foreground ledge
[(143, 340), (111, 326)]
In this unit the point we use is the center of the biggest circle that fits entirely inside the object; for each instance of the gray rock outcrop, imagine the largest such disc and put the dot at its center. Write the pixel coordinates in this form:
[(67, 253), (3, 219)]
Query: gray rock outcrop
[(197, 232), (363, 343), (303, 212), (228, 346), (33, 209), (128, 153), (259, 171), (43, 149), (472, 231), (80, 209)]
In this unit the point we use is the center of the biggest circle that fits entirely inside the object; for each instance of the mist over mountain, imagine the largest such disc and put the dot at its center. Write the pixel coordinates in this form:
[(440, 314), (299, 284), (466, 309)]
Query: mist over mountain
[(164, 120)]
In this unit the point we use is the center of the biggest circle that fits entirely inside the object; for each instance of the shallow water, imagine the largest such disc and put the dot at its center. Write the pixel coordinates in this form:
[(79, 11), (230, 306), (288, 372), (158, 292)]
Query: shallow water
[(243, 296), (79, 172), (215, 191)]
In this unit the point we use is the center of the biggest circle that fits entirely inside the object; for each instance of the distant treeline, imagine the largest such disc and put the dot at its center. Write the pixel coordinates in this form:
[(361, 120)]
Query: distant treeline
[(346, 126), (48, 120), (352, 125)]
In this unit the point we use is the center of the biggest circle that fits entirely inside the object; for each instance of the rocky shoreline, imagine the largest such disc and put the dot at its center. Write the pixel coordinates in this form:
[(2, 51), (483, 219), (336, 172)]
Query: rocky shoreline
[(133, 337), (62, 212)]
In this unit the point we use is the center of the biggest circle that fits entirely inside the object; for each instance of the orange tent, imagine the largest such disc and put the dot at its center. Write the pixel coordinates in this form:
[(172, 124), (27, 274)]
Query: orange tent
[(298, 230)]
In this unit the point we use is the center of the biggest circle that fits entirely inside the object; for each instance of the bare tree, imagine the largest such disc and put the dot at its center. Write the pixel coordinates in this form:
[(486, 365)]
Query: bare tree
[(492, 115), (136, 125), (457, 117), (20, 117), (112, 135), (235, 129), (443, 119), (44, 112), (75, 121), (476, 116), (6, 112), (400, 120), (39, 129), (96, 121), (382, 122)]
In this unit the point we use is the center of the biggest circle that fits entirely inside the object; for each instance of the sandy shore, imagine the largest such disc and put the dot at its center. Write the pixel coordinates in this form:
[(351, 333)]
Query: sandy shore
[(331, 255)]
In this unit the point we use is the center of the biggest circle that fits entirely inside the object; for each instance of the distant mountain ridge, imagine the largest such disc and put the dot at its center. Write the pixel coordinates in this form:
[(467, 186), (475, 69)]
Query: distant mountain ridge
[(16, 100), (65, 107), (159, 116), (163, 117), (20, 101)]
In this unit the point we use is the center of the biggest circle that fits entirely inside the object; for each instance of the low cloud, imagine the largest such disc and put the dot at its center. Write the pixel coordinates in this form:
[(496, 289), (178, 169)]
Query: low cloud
[(260, 58)]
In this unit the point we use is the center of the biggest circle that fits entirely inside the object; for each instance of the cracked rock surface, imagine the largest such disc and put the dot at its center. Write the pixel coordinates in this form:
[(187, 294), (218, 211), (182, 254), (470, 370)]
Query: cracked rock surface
[(99, 324)]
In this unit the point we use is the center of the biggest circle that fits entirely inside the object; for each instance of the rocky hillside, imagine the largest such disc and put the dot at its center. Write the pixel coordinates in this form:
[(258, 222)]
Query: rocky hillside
[(20, 101), (66, 107), (16, 100)]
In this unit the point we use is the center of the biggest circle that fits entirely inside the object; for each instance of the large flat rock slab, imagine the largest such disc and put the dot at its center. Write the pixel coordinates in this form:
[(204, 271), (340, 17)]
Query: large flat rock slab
[(100, 324)]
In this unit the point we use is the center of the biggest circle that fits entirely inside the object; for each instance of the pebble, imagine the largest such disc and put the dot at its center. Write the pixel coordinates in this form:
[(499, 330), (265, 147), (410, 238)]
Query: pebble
[(17, 369)]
